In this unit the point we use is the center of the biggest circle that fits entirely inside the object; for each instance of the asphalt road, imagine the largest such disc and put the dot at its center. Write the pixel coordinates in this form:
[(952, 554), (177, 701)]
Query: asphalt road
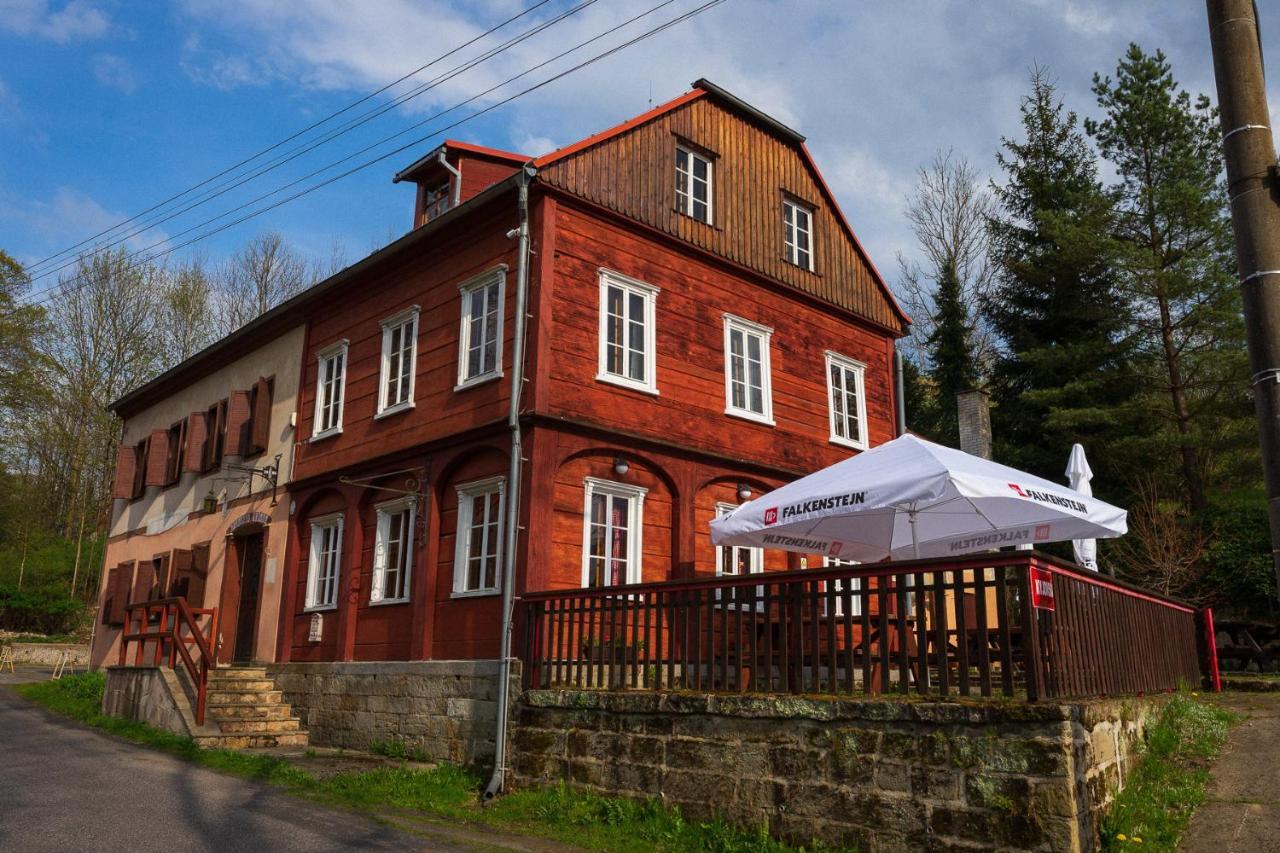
[(67, 788)]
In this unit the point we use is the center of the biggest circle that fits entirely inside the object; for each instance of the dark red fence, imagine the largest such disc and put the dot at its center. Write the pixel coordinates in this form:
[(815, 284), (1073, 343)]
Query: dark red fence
[(1012, 624)]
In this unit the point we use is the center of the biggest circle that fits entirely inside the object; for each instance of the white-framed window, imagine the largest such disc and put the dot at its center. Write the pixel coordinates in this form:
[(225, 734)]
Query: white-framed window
[(628, 310), (693, 184), (399, 360), (738, 560), (480, 338), (798, 221), (854, 584), (436, 200), (331, 386), (393, 552), (847, 404), (325, 562), (477, 559), (748, 386), (612, 533)]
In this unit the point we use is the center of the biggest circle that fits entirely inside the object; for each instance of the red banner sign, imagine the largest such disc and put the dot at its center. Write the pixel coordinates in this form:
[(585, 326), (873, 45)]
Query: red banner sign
[(1042, 589)]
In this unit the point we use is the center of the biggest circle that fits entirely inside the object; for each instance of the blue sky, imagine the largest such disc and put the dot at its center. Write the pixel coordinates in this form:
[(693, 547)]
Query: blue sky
[(107, 107)]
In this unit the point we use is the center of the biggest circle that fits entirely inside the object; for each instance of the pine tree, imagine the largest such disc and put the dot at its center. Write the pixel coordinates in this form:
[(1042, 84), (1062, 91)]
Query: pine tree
[(952, 365), (1061, 375), (1177, 261)]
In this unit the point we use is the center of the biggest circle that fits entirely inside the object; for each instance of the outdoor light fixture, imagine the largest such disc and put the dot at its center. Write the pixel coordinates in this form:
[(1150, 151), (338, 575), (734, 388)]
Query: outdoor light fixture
[(210, 502), (620, 466), (744, 492)]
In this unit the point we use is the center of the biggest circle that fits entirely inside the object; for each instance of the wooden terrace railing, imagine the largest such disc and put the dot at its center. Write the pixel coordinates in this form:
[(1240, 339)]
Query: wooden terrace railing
[(978, 625), (175, 630)]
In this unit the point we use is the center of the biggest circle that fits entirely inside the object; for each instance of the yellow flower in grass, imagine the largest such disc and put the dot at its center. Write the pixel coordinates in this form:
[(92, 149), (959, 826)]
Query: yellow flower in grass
[(1120, 836), (1137, 840)]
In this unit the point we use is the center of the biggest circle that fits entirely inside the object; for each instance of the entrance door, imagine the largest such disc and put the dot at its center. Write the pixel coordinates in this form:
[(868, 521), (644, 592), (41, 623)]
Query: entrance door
[(250, 553)]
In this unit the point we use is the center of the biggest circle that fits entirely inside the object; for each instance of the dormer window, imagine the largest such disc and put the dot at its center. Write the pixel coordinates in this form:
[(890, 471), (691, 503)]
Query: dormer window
[(693, 184), (435, 200), (798, 221)]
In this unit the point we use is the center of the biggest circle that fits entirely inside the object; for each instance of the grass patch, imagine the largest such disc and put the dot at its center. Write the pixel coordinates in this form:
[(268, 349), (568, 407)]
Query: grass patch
[(445, 792), (1169, 782)]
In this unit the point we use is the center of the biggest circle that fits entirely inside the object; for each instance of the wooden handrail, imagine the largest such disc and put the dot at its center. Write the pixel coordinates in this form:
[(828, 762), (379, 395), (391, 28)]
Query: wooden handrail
[(174, 614)]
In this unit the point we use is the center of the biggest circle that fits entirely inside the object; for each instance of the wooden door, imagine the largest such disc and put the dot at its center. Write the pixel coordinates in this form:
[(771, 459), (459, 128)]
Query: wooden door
[(250, 554)]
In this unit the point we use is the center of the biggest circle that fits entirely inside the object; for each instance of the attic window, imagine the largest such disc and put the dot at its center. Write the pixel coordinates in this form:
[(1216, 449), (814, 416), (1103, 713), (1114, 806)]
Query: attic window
[(693, 184), (435, 201)]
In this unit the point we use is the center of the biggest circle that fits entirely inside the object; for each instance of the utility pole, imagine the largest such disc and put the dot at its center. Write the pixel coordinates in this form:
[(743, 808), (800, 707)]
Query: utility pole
[(1254, 189)]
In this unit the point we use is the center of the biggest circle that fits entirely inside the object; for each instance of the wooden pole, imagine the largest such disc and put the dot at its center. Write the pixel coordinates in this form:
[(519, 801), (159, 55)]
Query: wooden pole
[(1254, 189)]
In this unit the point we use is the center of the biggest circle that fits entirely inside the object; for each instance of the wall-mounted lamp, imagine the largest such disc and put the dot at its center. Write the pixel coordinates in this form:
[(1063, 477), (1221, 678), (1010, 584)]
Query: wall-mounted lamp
[(620, 466), (210, 503), (744, 492)]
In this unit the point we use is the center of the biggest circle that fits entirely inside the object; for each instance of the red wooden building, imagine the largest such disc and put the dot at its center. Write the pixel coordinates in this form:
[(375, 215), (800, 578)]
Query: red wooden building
[(701, 324)]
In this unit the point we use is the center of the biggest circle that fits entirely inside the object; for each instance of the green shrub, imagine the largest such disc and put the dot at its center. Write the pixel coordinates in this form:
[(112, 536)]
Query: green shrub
[(1239, 578), (40, 610)]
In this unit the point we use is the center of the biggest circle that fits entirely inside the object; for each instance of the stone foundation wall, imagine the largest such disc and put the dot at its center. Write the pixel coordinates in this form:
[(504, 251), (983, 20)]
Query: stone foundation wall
[(47, 654), (876, 775), (148, 694), (448, 709)]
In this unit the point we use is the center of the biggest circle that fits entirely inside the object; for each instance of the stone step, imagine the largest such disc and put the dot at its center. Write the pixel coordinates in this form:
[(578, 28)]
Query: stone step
[(253, 741), (244, 727), (256, 671), (249, 712), (244, 697), (241, 685)]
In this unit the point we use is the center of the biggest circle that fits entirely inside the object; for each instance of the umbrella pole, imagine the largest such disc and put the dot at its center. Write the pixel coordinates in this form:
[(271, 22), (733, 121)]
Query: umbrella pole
[(915, 540)]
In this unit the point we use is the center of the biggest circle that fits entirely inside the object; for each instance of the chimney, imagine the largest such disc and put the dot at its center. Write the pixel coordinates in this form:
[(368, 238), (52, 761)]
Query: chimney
[(974, 411)]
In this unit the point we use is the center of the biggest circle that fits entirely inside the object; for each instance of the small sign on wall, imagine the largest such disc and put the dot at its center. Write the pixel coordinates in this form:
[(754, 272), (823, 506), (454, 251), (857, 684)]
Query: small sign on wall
[(317, 628), (1042, 589)]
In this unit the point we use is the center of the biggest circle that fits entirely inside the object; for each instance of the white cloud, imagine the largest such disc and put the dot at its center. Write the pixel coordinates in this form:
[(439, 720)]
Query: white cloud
[(69, 216), (78, 20), (115, 72), (10, 108)]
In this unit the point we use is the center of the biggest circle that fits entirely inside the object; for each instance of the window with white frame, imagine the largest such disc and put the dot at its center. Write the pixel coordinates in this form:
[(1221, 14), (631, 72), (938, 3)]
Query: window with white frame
[(798, 220), (627, 332), (399, 355), (480, 339), (748, 387), (693, 184), (393, 552), (847, 409), (738, 560), (613, 521), (324, 563), (854, 586), (331, 383), (478, 552)]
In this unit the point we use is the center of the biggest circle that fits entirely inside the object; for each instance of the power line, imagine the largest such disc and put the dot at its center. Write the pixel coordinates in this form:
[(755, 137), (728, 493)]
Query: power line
[(560, 75), (295, 153), (297, 134)]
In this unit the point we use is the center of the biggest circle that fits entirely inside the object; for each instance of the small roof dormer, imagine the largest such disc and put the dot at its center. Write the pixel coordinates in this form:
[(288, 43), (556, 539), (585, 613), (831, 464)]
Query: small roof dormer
[(454, 172)]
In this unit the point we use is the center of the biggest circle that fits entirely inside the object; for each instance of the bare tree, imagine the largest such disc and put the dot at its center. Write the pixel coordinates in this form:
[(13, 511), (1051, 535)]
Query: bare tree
[(948, 213), (186, 318), (1164, 547), (266, 272)]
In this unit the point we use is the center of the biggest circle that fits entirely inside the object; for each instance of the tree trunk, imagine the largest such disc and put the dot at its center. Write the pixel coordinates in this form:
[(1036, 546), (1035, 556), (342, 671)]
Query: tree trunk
[(1182, 417)]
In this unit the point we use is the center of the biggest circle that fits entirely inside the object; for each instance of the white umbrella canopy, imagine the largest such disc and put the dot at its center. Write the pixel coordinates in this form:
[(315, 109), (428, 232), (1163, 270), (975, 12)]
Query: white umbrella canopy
[(913, 498), (1078, 475)]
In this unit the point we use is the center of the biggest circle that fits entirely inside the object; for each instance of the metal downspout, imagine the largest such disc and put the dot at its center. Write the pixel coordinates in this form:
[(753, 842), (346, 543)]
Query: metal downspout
[(513, 488), (457, 178), (900, 407)]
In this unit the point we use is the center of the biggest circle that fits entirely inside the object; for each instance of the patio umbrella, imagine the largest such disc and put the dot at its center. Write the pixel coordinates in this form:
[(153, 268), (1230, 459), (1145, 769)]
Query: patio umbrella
[(1078, 475), (913, 498)]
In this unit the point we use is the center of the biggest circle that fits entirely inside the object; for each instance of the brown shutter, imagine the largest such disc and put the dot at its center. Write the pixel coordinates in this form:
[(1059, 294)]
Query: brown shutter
[(261, 421), (197, 432), (157, 456), (162, 565), (108, 601), (125, 471), (199, 573), (120, 597), (237, 424), (180, 572), (144, 579)]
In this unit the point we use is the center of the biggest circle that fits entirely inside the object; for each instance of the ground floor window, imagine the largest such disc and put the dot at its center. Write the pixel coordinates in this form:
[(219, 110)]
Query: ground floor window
[(479, 547), (854, 586), (322, 569), (613, 520), (393, 552)]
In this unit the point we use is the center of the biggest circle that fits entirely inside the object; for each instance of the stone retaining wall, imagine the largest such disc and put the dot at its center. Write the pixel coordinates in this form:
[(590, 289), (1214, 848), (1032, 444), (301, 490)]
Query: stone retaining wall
[(876, 775), (148, 694), (47, 654), (448, 709)]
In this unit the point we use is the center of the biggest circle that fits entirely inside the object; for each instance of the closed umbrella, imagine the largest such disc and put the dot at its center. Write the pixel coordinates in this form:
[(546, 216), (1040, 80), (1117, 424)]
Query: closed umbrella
[(1078, 475), (913, 498)]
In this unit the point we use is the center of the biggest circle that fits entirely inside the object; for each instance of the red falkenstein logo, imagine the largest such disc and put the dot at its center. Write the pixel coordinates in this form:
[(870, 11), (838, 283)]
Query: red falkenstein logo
[(771, 515)]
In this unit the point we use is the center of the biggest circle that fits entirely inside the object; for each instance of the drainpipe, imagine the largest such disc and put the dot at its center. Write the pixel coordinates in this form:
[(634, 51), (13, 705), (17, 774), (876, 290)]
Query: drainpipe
[(900, 409), (513, 487), (457, 177)]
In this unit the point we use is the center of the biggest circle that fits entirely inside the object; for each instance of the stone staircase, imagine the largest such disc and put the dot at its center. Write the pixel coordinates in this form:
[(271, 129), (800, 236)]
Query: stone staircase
[(248, 712)]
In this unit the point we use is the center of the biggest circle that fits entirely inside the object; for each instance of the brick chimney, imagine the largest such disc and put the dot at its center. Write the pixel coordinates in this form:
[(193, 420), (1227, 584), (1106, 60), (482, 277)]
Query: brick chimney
[(974, 411)]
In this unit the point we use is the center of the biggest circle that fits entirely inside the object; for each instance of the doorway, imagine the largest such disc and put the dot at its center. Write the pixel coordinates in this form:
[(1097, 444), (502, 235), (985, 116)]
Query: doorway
[(249, 560)]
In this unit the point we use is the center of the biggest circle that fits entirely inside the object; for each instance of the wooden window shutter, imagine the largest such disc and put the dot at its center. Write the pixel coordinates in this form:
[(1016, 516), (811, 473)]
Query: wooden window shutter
[(126, 464), (237, 424), (120, 595), (144, 579), (163, 575), (199, 574), (157, 456), (215, 434), (140, 451), (260, 421), (108, 602), (197, 432), (180, 573)]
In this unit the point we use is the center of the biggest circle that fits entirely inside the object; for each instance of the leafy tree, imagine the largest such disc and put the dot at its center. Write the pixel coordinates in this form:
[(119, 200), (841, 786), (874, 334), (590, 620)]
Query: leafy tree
[(20, 326), (1061, 374), (1176, 259)]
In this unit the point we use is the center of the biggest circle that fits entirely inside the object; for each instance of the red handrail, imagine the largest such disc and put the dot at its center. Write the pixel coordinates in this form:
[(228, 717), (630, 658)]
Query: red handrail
[(174, 615)]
